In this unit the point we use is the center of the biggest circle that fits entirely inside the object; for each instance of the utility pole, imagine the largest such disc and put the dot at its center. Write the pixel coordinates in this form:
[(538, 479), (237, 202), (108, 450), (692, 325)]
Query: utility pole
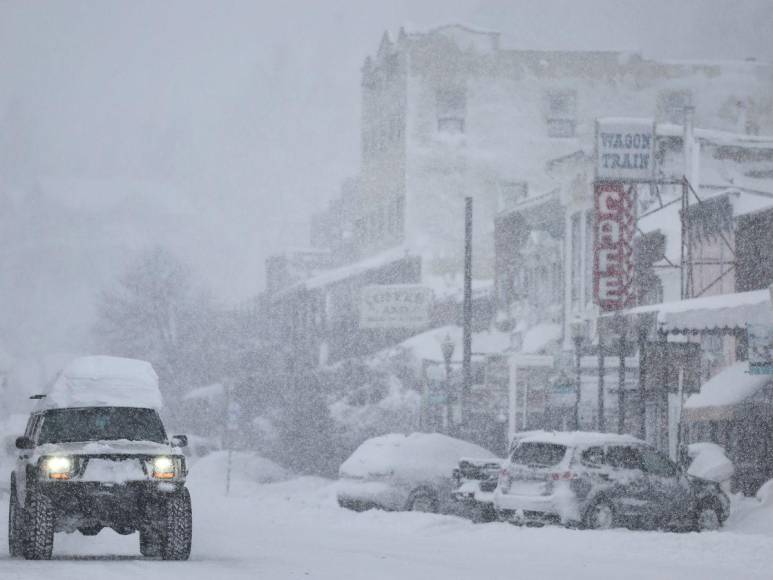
[(467, 310), (602, 426)]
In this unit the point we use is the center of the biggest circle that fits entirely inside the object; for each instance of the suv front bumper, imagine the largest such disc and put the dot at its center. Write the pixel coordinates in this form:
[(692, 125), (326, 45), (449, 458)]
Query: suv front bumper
[(128, 505)]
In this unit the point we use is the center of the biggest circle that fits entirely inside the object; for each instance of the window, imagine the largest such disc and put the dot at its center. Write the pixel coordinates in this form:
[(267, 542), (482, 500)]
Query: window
[(101, 423), (624, 457), (593, 457), (671, 105), (656, 463), (451, 103), (561, 113), (539, 454)]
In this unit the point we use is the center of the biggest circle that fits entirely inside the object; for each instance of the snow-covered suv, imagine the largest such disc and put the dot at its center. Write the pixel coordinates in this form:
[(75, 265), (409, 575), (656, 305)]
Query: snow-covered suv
[(599, 480), (95, 454)]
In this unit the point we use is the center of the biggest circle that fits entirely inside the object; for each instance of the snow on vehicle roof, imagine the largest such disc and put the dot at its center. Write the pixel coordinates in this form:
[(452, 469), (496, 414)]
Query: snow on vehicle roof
[(418, 456), (577, 438), (105, 381)]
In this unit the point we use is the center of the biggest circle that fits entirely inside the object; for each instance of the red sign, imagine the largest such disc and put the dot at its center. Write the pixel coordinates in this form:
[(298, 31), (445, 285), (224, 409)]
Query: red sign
[(615, 226)]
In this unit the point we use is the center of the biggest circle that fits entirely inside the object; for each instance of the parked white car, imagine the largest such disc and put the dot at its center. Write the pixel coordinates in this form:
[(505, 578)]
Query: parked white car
[(600, 480), (404, 472)]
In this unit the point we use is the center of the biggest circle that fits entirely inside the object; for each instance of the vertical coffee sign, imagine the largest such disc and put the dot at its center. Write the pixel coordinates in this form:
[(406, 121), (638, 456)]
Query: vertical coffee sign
[(624, 151)]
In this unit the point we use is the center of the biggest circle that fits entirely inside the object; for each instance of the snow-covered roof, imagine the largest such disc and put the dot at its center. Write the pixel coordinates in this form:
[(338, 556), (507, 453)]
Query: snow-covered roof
[(350, 270), (711, 312), (578, 438), (730, 386), (718, 137), (105, 381), (426, 346)]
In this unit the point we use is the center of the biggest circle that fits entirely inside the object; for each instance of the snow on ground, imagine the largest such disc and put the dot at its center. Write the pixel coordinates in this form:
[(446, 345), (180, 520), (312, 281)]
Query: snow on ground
[(295, 529)]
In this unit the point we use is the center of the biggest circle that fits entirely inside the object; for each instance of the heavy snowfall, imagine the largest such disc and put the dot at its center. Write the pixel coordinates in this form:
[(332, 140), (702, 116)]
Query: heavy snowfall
[(359, 289)]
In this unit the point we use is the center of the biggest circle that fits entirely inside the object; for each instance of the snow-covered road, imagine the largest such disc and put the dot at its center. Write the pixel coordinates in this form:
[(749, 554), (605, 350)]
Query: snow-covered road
[(294, 529)]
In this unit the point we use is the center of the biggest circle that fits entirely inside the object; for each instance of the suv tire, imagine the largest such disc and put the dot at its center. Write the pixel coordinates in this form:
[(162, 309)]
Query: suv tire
[(176, 544), (39, 528), (150, 543), (16, 529)]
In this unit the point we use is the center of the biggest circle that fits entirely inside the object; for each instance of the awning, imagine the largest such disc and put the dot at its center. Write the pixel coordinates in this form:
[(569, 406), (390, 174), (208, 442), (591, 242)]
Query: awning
[(720, 395), (711, 313)]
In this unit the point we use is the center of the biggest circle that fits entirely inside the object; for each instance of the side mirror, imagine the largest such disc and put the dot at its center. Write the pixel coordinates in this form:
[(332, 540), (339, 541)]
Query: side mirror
[(179, 440), (24, 443)]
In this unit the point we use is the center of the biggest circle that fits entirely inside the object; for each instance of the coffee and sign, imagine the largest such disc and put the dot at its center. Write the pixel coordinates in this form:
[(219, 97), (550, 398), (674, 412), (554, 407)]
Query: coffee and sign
[(395, 306)]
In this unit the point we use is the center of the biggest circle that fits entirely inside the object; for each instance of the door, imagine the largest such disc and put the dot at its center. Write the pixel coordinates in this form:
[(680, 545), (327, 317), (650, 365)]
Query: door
[(630, 488), (670, 489)]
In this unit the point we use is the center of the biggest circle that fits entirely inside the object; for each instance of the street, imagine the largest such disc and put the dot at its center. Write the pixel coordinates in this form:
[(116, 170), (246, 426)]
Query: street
[(295, 529)]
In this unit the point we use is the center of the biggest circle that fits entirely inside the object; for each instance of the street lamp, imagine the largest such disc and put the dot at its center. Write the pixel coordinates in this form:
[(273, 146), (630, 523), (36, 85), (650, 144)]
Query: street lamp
[(579, 329), (447, 346)]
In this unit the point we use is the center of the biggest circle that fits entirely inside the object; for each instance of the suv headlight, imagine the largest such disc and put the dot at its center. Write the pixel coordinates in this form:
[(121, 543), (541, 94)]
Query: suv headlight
[(57, 467), (165, 467)]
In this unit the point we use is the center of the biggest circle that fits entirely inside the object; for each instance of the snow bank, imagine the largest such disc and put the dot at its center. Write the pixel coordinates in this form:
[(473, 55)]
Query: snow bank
[(753, 515), (709, 462), (418, 456), (246, 468), (95, 381)]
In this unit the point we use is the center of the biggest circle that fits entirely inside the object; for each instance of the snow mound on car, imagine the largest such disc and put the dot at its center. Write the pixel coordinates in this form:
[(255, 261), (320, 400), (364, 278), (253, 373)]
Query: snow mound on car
[(246, 468), (105, 381), (709, 462), (415, 456)]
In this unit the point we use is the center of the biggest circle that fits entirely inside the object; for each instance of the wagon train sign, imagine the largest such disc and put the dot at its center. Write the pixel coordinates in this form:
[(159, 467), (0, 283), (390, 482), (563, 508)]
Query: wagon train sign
[(395, 306), (614, 229), (624, 149)]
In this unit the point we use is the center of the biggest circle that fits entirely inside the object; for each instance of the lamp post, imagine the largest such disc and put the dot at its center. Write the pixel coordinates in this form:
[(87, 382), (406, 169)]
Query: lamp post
[(579, 329), (447, 346)]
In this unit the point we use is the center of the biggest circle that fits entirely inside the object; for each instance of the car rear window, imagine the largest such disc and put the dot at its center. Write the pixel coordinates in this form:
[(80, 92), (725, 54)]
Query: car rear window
[(538, 454)]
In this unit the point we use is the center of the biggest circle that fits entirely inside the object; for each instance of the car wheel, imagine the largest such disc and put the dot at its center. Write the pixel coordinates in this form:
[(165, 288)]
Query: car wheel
[(176, 544), (423, 501), (707, 518), (15, 524), (39, 527), (600, 516)]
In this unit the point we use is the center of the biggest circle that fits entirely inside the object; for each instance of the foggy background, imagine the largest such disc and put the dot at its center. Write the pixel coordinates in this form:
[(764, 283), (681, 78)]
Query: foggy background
[(217, 128)]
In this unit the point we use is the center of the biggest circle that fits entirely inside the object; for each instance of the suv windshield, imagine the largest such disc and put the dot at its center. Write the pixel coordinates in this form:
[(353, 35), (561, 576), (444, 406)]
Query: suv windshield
[(540, 454), (101, 423)]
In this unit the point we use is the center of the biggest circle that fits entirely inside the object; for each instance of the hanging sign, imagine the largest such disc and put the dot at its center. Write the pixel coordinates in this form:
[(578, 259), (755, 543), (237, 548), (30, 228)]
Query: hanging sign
[(395, 306), (614, 229), (624, 149)]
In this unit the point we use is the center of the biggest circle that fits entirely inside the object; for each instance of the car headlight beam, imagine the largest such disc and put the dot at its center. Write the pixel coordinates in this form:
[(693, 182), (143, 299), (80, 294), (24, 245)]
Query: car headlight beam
[(164, 467), (58, 467)]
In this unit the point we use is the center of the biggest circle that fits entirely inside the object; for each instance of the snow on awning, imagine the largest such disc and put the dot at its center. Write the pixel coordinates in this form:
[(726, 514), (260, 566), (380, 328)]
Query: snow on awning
[(720, 394), (724, 311), (351, 270), (539, 337)]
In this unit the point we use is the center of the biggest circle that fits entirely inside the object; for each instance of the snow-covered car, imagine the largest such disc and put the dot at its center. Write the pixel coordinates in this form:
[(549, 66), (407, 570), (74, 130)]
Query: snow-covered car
[(95, 454), (599, 480), (404, 472), (476, 479)]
